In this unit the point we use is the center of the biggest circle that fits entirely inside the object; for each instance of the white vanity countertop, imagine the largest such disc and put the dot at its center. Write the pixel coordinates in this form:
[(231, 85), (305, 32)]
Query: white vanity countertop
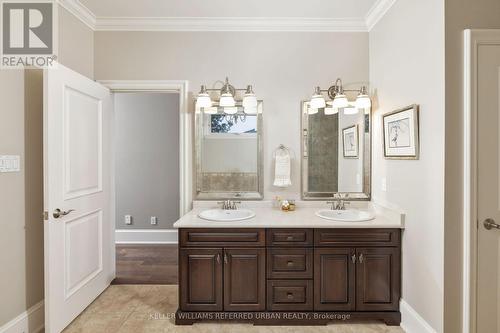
[(303, 217)]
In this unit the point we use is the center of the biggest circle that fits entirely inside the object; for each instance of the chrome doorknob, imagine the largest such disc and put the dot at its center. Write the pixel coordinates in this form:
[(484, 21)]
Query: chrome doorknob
[(58, 213), (491, 224)]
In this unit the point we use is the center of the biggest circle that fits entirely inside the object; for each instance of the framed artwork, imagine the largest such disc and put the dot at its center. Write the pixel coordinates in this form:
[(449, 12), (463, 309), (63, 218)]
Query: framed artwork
[(401, 133), (350, 139)]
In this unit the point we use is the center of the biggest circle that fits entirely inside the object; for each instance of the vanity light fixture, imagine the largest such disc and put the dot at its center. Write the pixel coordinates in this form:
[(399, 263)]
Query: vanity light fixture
[(363, 100), (227, 99), (249, 101), (227, 96), (338, 100), (317, 100), (203, 100)]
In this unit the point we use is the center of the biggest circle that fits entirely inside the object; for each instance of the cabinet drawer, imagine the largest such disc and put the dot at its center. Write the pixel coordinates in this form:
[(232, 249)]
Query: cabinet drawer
[(289, 295), (289, 263), (222, 237), (289, 237), (357, 237)]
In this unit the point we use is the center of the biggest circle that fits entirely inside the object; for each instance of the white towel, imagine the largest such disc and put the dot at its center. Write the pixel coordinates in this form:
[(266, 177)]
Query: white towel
[(282, 169)]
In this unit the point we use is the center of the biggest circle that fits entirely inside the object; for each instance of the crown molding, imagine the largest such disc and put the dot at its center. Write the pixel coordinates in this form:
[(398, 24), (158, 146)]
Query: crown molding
[(81, 12), (229, 24), (292, 24), (378, 10)]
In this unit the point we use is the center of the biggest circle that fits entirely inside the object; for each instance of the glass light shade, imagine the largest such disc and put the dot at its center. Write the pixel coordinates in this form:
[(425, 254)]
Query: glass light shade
[(227, 99), (340, 101), (311, 110), (249, 101), (203, 101), (210, 110), (351, 110), (317, 102), (250, 109), (331, 110), (230, 109), (363, 102)]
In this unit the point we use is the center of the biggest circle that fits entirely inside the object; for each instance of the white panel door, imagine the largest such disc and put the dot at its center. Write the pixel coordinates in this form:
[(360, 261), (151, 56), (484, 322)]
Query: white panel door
[(79, 237), (488, 150)]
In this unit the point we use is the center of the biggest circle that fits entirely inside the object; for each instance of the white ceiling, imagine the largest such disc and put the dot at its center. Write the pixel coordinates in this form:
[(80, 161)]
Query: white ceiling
[(230, 8)]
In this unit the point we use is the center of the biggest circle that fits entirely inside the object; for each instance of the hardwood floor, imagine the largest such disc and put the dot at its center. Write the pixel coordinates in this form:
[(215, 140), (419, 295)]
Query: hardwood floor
[(146, 264)]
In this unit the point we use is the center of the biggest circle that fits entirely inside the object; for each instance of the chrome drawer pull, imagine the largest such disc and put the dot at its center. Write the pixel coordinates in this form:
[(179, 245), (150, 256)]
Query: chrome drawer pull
[(289, 264)]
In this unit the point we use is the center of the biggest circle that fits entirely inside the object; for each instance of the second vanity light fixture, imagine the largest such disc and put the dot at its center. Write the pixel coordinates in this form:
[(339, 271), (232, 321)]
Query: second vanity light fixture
[(338, 100), (227, 99)]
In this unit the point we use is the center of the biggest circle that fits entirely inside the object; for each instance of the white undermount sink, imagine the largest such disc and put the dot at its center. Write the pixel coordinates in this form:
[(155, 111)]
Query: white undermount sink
[(223, 215), (348, 215)]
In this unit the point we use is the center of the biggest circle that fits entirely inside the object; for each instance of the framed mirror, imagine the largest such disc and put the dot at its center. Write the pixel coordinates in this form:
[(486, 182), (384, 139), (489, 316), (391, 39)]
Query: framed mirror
[(336, 153), (228, 150)]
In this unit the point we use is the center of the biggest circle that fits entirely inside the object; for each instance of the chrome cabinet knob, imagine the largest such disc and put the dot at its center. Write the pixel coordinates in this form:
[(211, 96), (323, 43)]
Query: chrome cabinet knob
[(491, 224), (58, 213)]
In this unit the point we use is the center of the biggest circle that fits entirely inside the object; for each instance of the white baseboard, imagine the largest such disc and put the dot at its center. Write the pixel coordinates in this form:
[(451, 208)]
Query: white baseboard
[(30, 321), (146, 236), (411, 321)]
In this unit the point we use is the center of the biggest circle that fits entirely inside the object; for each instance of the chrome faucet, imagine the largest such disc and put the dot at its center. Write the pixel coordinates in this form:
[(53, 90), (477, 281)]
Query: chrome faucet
[(229, 204), (340, 201)]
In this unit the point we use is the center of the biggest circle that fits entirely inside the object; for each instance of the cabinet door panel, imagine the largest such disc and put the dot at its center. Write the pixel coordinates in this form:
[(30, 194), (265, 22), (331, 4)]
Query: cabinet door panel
[(334, 279), (200, 279), (378, 279), (244, 279)]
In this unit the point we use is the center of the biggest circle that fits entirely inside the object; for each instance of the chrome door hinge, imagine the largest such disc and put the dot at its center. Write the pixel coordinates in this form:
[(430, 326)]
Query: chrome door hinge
[(45, 216)]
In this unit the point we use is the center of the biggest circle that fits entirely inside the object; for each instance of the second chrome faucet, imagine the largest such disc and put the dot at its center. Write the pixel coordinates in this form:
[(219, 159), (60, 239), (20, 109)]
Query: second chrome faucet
[(339, 202), (229, 204)]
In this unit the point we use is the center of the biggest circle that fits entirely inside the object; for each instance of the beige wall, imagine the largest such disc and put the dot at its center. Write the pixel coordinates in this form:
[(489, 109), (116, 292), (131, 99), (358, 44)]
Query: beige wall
[(460, 15), (76, 44), (12, 240), (21, 205), (406, 67), (283, 67)]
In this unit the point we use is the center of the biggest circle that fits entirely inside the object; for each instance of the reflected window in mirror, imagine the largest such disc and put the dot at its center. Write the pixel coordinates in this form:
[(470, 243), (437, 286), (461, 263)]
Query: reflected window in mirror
[(229, 153), (336, 152)]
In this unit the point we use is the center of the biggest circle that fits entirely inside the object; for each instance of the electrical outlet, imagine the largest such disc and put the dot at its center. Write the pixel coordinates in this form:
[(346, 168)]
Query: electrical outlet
[(154, 220), (384, 184), (128, 219)]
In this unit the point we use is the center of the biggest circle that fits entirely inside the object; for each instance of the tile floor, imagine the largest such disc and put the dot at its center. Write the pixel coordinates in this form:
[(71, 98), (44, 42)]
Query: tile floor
[(149, 308)]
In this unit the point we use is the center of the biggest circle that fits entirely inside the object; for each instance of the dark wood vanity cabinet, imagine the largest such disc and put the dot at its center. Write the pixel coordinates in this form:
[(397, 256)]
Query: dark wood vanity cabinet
[(350, 271), (200, 279), (378, 279), (245, 279), (334, 279)]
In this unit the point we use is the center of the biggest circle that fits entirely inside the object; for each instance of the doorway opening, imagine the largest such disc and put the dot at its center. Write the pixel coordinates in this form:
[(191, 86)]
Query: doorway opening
[(147, 191), (152, 177)]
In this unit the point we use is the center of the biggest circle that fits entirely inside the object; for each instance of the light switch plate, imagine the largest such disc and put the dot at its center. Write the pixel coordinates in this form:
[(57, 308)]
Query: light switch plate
[(10, 163)]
